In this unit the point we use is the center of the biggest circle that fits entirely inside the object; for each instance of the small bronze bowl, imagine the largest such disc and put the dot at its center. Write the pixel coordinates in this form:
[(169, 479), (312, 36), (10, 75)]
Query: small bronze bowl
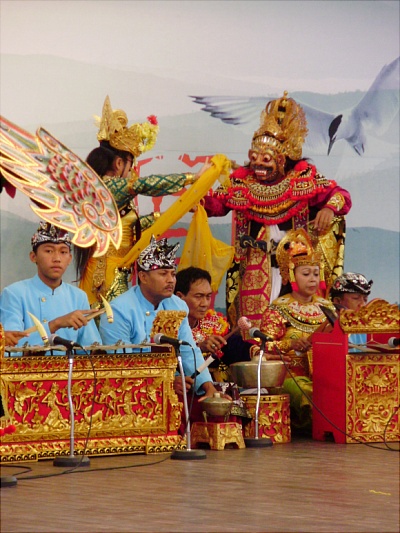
[(217, 405)]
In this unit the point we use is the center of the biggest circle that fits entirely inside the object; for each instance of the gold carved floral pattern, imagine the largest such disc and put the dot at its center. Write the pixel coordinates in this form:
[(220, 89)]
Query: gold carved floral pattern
[(377, 316), (218, 435), (135, 407), (168, 323), (372, 397), (273, 417)]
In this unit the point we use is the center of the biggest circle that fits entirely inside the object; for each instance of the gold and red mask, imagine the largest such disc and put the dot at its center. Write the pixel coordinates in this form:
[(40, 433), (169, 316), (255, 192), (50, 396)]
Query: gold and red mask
[(283, 128)]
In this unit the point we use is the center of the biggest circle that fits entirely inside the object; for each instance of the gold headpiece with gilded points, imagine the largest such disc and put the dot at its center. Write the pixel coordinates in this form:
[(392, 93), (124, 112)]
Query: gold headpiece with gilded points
[(283, 127), (296, 249), (113, 127)]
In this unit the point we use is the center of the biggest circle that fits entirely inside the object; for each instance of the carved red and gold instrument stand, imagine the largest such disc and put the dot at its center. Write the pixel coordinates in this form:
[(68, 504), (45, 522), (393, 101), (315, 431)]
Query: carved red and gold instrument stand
[(135, 407), (274, 417), (218, 434), (358, 392)]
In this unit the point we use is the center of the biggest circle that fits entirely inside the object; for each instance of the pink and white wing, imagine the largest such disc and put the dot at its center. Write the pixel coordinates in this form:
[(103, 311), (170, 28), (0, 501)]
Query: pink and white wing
[(65, 190)]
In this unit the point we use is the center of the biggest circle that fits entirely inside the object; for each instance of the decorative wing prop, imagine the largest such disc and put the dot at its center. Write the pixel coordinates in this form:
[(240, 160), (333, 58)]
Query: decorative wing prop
[(65, 190)]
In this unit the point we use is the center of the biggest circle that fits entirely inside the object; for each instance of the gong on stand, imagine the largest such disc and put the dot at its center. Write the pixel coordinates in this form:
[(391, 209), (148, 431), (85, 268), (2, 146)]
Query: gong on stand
[(258, 374)]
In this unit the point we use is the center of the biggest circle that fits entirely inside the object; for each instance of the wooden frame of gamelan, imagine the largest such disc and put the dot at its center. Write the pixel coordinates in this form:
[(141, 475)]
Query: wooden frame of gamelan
[(127, 400), (357, 393)]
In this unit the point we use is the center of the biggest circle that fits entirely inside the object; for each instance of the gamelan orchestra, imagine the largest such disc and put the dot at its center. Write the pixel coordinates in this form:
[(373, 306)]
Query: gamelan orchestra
[(172, 372)]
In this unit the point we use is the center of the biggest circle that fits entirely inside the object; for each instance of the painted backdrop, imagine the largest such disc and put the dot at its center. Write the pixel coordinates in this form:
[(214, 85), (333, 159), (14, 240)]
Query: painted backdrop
[(186, 61)]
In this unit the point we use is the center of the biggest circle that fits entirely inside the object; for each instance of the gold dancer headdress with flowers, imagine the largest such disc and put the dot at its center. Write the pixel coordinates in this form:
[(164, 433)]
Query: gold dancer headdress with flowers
[(296, 249), (136, 139), (283, 127)]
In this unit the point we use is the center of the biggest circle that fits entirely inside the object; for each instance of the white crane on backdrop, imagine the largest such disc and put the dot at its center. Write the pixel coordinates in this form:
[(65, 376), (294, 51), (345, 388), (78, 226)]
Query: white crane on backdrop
[(374, 113)]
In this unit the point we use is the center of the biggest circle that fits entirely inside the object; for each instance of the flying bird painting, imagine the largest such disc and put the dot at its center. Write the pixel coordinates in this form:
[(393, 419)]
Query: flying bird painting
[(373, 114)]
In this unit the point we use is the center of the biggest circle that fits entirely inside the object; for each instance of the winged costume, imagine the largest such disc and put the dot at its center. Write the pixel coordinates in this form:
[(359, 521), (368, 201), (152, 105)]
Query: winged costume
[(66, 191), (98, 208)]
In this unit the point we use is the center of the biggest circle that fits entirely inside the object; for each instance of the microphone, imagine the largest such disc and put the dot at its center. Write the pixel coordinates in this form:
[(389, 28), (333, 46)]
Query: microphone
[(330, 315), (55, 340), (393, 342), (256, 333), (159, 338), (244, 323)]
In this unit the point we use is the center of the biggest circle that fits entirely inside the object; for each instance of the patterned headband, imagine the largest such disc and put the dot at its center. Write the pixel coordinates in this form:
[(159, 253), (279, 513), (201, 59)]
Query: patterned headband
[(351, 282), (158, 254), (48, 233)]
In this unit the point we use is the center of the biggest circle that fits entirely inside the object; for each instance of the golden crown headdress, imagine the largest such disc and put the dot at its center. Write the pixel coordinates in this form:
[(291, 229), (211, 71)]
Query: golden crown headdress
[(296, 249), (136, 139), (283, 127)]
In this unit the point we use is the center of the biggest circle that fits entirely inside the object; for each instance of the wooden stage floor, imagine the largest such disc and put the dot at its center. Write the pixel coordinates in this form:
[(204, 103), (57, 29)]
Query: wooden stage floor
[(303, 486)]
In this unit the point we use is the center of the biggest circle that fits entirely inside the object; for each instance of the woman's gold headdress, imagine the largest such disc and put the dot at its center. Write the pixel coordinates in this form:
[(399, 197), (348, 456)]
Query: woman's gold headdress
[(283, 127), (136, 139), (296, 249)]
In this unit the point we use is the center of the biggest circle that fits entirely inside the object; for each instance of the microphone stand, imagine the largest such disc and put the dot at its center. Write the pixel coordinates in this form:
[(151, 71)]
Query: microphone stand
[(188, 453), (257, 442), (8, 481), (72, 460)]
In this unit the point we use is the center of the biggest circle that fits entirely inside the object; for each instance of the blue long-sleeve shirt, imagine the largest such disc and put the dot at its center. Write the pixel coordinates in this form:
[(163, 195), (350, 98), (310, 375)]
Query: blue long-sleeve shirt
[(35, 297), (133, 320)]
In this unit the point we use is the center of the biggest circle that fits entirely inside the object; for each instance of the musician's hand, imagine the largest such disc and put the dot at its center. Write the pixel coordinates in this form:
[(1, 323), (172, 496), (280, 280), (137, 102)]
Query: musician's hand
[(301, 345), (212, 344), (206, 166), (209, 390), (13, 337), (77, 319), (277, 357), (323, 219), (178, 384), (255, 351)]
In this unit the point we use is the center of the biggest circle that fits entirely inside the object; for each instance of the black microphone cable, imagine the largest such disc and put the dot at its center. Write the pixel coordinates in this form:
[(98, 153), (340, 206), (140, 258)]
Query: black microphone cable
[(71, 470), (76, 470)]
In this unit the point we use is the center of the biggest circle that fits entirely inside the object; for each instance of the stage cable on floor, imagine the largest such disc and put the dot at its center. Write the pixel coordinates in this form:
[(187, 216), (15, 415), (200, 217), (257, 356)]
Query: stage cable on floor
[(76, 469)]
